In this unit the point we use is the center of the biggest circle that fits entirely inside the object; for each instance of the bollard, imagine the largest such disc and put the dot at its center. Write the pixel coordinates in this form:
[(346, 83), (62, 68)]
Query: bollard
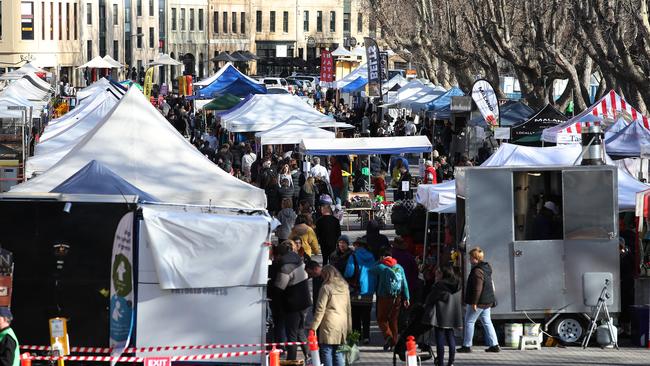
[(411, 351), (313, 348), (274, 357), (25, 359)]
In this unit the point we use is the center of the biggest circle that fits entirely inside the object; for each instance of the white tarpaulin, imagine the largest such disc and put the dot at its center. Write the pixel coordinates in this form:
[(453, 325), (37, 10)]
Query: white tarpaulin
[(366, 145), (215, 315), (265, 111), (26, 89), (200, 250), (138, 144), (515, 155), (292, 131)]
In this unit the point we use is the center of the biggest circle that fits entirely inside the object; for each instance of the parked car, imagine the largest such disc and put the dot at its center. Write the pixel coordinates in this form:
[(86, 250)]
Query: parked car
[(276, 90), (312, 79), (271, 81)]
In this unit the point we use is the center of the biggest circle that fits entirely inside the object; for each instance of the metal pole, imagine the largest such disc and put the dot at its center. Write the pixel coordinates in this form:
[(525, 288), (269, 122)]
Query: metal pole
[(369, 173), (426, 232), (438, 230)]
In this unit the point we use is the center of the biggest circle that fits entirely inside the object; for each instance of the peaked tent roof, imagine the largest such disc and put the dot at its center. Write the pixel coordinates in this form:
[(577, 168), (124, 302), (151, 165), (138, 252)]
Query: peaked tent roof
[(209, 80), (511, 113), (607, 107), (229, 80), (222, 102), (262, 112), (96, 178), (98, 63), (137, 143), (361, 71), (164, 59), (397, 80), (340, 51), (357, 84), (626, 140), (112, 61), (26, 89), (98, 86), (545, 118), (292, 131), (444, 99)]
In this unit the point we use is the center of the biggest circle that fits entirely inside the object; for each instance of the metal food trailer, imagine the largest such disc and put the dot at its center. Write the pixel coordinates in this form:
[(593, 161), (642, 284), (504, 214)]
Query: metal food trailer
[(540, 273)]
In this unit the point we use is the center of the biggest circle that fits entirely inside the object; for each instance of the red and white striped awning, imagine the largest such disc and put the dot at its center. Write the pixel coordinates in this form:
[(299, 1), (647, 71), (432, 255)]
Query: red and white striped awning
[(608, 107)]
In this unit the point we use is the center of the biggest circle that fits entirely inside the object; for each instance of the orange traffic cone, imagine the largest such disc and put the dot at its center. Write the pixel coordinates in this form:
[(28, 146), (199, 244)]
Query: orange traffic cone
[(312, 340), (411, 351), (274, 357), (25, 359)]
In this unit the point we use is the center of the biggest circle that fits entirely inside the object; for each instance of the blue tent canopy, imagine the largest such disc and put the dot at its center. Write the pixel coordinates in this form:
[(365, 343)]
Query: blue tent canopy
[(355, 85), (444, 100), (511, 113), (625, 140), (231, 81), (95, 178)]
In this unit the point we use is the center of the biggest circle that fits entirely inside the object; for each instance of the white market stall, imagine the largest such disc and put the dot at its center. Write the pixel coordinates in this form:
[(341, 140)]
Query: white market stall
[(264, 111), (136, 142), (292, 131), (366, 145)]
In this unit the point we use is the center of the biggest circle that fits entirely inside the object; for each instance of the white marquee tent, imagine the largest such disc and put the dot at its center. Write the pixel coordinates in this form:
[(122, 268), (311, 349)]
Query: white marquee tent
[(207, 81), (438, 196), (137, 143), (292, 131), (265, 111), (366, 145), (98, 63)]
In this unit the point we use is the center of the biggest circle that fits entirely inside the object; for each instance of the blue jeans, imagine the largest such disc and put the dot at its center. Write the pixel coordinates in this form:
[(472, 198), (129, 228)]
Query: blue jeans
[(330, 355), (470, 320)]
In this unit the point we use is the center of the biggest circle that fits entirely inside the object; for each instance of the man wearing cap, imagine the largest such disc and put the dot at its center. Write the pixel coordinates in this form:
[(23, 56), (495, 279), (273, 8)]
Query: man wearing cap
[(9, 354)]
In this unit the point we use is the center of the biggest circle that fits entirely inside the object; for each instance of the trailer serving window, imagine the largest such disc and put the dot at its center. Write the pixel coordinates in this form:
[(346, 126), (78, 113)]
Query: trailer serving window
[(538, 213), (590, 205)]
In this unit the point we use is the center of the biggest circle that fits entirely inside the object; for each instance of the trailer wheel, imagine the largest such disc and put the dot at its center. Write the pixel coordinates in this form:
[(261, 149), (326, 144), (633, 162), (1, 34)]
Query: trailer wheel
[(568, 329)]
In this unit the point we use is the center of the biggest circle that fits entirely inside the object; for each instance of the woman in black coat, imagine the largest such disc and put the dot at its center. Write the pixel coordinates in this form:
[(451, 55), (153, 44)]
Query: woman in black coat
[(443, 311)]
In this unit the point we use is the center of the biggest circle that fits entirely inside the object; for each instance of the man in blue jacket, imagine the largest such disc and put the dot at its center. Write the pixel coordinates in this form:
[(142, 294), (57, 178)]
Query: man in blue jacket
[(392, 291), (362, 286)]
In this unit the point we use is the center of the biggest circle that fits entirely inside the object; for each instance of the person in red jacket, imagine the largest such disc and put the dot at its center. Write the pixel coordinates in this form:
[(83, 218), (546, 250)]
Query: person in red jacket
[(429, 173), (380, 185), (336, 177)]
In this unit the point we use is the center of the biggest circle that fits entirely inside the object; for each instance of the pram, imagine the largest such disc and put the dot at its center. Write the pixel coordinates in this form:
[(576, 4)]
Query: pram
[(414, 328)]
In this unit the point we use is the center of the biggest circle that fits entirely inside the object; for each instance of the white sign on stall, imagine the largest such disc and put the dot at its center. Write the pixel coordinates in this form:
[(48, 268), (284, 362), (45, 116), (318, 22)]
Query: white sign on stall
[(568, 138), (406, 186), (502, 133)]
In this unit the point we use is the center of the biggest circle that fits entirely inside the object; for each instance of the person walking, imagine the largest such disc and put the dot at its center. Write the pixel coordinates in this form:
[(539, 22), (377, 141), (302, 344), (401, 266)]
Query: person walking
[(287, 217), (443, 311), (339, 258), (9, 348), (392, 292), (362, 287), (332, 317), (293, 290), (480, 298), (328, 230), (307, 235)]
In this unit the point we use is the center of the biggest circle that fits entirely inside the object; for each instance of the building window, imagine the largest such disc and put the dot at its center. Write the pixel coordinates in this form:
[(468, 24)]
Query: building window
[(89, 50), (332, 21), (151, 37), (67, 21), (138, 8), (201, 20), (42, 20), (234, 22), (224, 21), (60, 22), (116, 50), (191, 19), (346, 22), (319, 21), (173, 19), (89, 13), (215, 22), (115, 18), (258, 21), (151, 8), (139, 35), (1, 19), (242, 20), (182, 19), (75, 21), (305, 20), (272, 22), (27, 19), (285, 22), (360, 23), (51, 21)]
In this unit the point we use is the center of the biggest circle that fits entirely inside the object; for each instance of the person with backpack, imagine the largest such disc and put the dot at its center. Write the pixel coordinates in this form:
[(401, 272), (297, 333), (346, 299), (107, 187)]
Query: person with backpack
[(392, 292), (480, 298), (362, 287)]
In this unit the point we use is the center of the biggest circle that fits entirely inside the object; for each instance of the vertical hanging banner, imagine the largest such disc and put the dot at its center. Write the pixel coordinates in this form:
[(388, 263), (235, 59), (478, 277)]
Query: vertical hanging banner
[(486, 101), (121, 301), (374, 67), (326, 68), (148, 81), (383, 56)]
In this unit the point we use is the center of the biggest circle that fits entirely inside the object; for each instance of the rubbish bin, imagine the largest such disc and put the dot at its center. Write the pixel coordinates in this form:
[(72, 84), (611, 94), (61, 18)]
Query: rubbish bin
[(641, 325)]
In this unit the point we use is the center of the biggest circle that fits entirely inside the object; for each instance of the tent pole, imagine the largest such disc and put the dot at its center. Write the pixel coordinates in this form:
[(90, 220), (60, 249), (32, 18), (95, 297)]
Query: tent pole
[(369, 173), (438, 230), (426, 234)]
